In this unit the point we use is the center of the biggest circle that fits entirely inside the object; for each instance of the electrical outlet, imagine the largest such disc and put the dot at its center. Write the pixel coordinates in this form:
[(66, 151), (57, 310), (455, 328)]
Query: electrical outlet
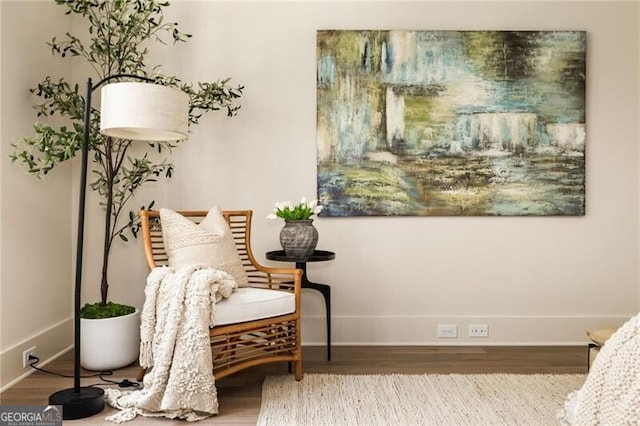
[(447, 331), (478, 330), (25, 356)]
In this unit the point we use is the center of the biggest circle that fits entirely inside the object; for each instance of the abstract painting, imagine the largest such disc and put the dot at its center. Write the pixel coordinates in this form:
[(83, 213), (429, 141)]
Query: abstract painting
[(451, 123)]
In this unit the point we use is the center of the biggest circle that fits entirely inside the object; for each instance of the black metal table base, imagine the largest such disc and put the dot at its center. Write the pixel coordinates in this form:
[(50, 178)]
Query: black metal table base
[(324, 289)]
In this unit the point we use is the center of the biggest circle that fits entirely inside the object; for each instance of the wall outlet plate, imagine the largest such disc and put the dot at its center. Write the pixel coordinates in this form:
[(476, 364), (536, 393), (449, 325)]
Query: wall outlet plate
[(447, 331), (25, 356), (478, 330)]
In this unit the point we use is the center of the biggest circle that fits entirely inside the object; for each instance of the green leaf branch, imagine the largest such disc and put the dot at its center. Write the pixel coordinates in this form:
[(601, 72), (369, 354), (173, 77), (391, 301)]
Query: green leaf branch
[(119, 35)]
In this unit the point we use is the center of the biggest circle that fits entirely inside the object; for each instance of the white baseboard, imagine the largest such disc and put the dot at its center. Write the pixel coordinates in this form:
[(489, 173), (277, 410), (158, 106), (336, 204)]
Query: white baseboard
[(422, 330), (50, 344), (364, 331)]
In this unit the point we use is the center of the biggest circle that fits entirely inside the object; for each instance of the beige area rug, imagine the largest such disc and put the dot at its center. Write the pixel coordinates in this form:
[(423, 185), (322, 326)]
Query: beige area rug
[(430, 399)]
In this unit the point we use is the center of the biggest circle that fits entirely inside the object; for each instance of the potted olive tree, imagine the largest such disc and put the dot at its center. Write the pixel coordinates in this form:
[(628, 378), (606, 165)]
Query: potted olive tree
[(118, 33)]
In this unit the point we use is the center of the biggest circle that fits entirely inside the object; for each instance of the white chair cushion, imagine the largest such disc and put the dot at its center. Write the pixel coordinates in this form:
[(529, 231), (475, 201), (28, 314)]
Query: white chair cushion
[(248, 304)]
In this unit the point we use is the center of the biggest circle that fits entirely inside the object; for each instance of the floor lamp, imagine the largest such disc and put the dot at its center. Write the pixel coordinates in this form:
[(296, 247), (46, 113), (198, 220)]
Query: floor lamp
[(129, 110)]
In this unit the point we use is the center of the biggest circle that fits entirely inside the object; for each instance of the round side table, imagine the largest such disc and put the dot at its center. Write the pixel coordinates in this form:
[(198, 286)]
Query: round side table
[(324, 289)]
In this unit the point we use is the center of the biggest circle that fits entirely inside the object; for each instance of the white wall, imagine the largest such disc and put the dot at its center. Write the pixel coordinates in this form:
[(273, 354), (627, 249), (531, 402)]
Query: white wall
[(533, 280), (638, 130), (35, 221)]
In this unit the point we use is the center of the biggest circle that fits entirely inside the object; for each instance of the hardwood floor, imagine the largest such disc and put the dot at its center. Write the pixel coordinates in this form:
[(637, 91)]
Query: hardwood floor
[(239, 395)]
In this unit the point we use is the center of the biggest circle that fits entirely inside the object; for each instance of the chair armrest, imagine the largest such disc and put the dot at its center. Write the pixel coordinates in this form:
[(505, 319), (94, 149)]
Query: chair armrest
[(289, 279)]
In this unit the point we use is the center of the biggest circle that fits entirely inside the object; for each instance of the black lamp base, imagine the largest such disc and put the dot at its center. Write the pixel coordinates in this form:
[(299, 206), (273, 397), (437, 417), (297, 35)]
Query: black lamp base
[(78, 403)]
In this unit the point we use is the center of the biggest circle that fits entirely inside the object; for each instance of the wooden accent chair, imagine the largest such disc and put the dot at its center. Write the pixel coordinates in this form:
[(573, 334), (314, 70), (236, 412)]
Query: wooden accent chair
[(598, 338), (239, 345)]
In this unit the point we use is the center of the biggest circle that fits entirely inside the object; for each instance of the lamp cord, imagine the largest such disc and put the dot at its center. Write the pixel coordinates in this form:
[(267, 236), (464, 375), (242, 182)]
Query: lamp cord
[(122, 383)]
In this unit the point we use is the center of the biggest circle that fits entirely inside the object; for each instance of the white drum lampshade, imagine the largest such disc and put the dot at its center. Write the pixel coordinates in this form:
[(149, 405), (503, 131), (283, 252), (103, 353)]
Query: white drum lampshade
[(144, 111)]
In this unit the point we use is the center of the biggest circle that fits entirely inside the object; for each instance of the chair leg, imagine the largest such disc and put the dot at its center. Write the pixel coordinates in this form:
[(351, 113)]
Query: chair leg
[(141, 373), (297, 365), (589, 347)]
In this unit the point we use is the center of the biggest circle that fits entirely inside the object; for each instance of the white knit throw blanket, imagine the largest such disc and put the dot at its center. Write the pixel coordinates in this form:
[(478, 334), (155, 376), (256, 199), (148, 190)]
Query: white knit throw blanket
[(611, 392), (179, 309)]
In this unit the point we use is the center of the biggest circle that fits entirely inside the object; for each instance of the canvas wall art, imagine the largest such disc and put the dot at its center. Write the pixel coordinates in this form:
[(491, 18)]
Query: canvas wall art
[(442, 123)]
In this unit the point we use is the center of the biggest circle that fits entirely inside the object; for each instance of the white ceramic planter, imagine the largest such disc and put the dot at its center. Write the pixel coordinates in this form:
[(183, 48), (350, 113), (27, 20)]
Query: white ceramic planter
[(110, 343)]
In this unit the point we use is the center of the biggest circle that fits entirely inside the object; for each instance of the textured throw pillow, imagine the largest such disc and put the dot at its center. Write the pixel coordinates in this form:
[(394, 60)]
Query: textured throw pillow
[(209, 243)]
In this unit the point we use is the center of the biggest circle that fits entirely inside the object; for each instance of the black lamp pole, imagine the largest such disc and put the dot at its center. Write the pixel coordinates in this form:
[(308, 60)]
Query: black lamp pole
[(80, 402)]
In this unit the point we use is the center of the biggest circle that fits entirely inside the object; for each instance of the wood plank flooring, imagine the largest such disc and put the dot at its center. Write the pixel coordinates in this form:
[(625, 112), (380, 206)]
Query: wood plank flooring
[(239, 395)]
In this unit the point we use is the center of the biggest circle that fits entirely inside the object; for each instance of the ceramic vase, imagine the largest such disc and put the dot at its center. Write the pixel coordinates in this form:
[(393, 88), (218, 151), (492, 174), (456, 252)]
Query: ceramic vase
[(299, 238)]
